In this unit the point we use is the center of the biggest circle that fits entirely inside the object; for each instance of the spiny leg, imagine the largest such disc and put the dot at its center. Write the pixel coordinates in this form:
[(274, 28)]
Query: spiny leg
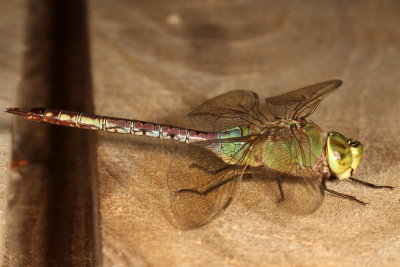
[(332, 177), (323, 184), (371, 185), (210, 189), (282, 198)]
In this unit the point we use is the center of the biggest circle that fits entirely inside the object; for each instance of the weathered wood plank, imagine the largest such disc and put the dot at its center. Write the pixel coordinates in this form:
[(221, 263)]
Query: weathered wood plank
[(11, 32), (51, 212), (157, 60)]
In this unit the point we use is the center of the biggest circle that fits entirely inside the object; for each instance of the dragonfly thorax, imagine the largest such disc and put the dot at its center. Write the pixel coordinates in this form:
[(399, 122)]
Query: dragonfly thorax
[(303, 143), (289, 143)]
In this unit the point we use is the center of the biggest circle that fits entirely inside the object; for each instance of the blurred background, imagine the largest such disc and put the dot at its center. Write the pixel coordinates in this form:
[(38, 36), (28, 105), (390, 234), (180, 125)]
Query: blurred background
[(73, 197)]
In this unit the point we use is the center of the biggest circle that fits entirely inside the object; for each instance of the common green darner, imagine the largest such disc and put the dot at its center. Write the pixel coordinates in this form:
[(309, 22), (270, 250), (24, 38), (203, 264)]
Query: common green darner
[(234, 140)]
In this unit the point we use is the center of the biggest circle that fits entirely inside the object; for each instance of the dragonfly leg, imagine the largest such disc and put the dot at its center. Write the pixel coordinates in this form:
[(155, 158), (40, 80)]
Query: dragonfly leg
[(371, 185), (211, 188), (282, 198), (332, 177), (247, 176), (211, 171), (323, 184)]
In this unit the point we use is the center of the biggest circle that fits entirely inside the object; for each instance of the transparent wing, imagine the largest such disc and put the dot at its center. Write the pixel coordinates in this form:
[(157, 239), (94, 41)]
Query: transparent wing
[(203, 181), (297, 191), (288, 177), (229, 110), (302, 102)]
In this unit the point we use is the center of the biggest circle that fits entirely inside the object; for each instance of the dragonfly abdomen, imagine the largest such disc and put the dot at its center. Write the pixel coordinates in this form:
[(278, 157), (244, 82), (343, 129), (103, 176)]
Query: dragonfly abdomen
[(115, 125), (136, 127), (150, 129), (124, 126)]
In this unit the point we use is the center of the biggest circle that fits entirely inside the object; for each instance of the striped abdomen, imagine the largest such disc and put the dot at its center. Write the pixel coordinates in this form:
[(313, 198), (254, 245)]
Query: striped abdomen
[(125, 126)]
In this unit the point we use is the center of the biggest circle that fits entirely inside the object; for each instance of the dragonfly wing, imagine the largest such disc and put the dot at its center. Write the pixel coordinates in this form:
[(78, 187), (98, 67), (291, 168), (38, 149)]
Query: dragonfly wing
[(229, 110), (297, 192), (288, 177), (203, 183), (302, 102)]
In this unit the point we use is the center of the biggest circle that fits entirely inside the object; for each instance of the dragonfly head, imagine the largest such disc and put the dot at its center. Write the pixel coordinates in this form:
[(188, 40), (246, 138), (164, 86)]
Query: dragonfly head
[(344, 155)]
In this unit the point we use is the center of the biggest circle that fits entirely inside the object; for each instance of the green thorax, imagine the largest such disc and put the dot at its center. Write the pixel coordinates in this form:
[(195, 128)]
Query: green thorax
[(287, 143), (276, 147)]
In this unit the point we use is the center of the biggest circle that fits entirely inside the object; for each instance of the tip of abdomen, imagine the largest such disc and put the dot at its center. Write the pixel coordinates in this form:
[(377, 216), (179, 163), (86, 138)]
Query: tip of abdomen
[(32, 114), (18, 111)]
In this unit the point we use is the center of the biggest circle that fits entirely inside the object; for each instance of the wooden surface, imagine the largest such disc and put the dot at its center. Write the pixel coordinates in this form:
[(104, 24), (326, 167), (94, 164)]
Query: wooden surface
[(11, 32), (157, 60), (51, 211)]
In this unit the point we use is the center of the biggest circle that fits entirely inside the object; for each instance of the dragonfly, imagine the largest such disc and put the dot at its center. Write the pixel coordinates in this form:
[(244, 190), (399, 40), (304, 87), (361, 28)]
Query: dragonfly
[(234, 140)]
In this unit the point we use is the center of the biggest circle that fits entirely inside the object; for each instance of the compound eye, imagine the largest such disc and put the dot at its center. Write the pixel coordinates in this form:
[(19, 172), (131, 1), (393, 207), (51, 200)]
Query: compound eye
[(356, 149), (338, 153)]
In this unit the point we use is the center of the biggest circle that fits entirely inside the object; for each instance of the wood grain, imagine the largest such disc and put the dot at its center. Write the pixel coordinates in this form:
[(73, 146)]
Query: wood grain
[(157, 61), (10, 46), (51, 211)]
